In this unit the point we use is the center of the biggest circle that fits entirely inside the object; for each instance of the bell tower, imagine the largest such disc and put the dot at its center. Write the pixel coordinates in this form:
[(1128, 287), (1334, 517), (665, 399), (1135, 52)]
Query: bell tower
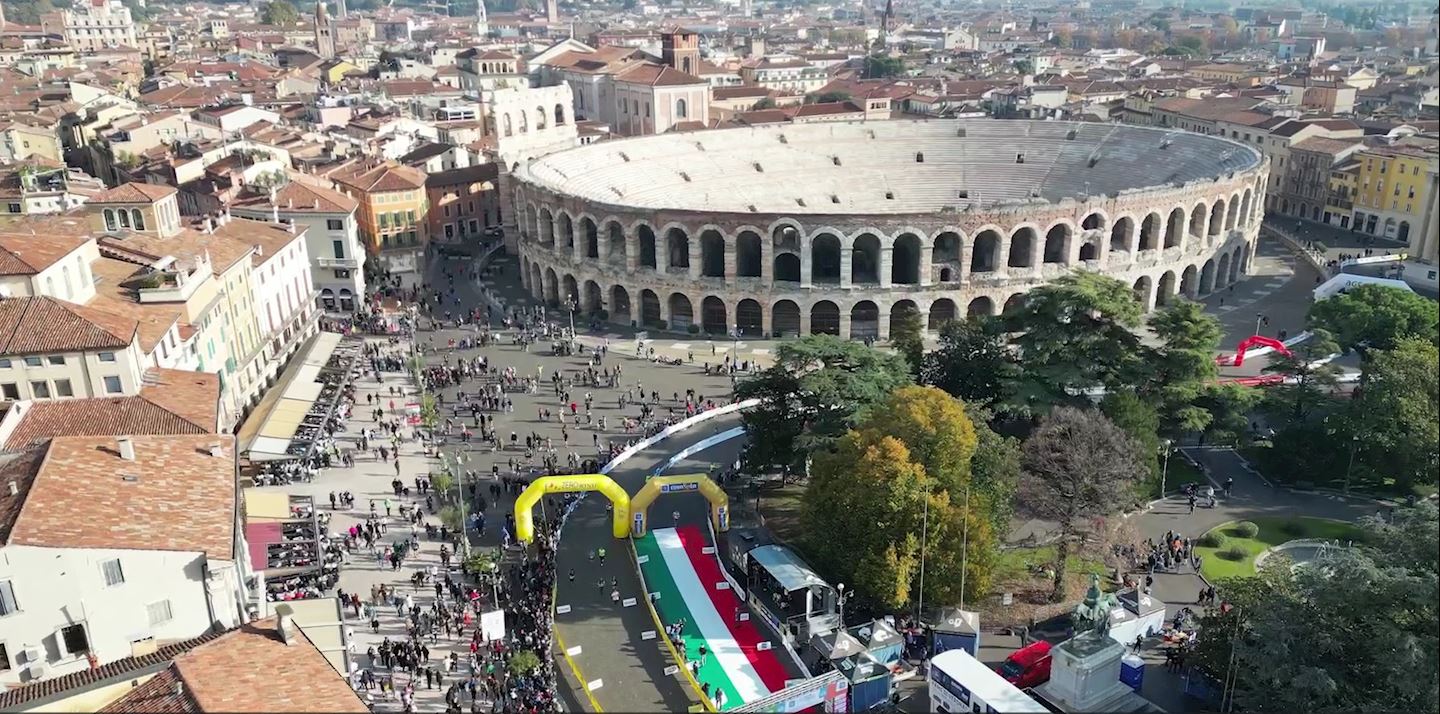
[(680, 49)]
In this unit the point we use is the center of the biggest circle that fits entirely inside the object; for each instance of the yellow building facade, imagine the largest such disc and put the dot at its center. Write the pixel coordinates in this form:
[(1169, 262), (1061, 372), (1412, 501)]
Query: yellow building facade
[(1392, 189), (392, 215)]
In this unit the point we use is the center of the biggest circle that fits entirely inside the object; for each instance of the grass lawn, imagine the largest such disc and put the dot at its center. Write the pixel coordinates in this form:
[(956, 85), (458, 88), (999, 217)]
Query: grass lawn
[(1272, 533), (1177, 475), (1013, 562), (781, 510)]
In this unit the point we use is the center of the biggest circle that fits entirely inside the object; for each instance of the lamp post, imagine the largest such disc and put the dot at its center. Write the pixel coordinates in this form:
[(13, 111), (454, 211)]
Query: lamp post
[(841, 603), (1164, 465), (924, 548), (1354, 443), (1258, 318)]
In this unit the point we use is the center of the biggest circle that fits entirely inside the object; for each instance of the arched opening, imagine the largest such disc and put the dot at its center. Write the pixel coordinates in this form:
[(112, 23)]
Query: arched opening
[(1175, 231), (905, 260), (825, 259), (712, 254), (1142, 292), (1022, 248), (592, 299), (615, 241), (539, 118), (865, 321), (1222, 271), (1091, 250), (865, 260), (649, 308), (559, 114), (986, 253), (898, 312), (524, 122), (1013, 304), (570, 295), (825, 318), (1093, 222), (1240, 257), (1231, 209), (749, 259), (785, 318), (1198, 216), (941, 312), (552, 288), (137, 219), (592, 237), (681, 312), (647, 247), (1190, 282), (786, 237), (787, 268), (1207, 277), (506, 124), (1150, 232), (1403, 233), (980, 307), (713, 317), (681, 108), (945, 258), (532, 224), (110, 223), (1244, 219), (1120, 234), (537, 283), (749, 318), (677, 249), (1389, 228), (1217, 218), (1057, 243), (547, 227), (1284, 205), (567, 232), (620, 305), (1166, 291), (327, 296)]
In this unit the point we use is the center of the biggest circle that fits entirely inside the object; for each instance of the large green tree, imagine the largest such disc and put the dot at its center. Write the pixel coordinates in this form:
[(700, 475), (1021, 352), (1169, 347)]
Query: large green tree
[(973, 362), (815, 392), (1397, 412), (884, 67), (1361, 633), (1183, 366), (1310, 377), (906, 335), (1375, 317), (279, 12), (1141, 420)]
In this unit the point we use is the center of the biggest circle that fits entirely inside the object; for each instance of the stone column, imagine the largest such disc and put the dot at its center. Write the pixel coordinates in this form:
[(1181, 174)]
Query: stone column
[(694, 257), (967, 254), (767, 263), (632, 251), (847, 260), (927, 256), (886, 258), (732, 261), (807, 263), (1132, 241), (883, 326), (804, 320), (844, 324), (764, 320)]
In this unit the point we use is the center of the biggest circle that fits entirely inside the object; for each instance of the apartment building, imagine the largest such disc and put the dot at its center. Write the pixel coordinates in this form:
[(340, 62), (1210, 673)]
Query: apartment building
[(392, 207), (94, 25), (328, 221), (628, 89), (1306, 187), (1395, 189), (464, 203)]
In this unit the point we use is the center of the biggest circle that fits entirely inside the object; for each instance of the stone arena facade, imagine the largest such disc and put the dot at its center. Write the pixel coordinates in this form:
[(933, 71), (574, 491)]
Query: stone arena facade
[(832, 228)]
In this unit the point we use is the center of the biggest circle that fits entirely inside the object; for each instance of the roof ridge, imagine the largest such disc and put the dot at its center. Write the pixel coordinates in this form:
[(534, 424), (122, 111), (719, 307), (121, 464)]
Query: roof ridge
[(13, 698)]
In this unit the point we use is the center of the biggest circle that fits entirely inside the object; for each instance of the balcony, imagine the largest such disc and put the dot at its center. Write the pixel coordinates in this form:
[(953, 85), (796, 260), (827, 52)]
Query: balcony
[(342, 263)]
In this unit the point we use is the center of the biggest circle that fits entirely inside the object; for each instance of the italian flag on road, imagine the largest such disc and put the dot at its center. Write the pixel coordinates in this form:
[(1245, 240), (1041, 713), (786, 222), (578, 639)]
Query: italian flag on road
[(686, 579)]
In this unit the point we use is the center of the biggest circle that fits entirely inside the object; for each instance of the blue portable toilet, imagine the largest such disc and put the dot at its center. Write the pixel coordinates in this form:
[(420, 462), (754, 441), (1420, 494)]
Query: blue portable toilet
[(955, 629), (1132, 671)]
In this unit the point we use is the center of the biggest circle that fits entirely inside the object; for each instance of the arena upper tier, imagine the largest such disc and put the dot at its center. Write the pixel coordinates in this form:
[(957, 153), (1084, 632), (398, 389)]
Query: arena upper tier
[(829, 227)]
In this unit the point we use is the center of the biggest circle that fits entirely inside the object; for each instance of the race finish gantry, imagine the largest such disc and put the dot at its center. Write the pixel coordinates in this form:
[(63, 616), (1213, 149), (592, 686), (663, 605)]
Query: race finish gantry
[(789, 596)]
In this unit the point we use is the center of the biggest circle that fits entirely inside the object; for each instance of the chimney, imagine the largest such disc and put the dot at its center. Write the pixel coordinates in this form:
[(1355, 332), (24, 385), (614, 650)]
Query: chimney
[(282, 626), (216, 450), (14, 488), (127, 448)]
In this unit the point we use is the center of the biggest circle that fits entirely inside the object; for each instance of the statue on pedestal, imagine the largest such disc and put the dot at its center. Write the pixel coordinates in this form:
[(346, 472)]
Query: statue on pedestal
[(1092, 616)]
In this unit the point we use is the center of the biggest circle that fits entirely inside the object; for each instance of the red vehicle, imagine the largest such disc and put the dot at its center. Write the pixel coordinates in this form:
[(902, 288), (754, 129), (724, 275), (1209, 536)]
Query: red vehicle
[(1028, 666)]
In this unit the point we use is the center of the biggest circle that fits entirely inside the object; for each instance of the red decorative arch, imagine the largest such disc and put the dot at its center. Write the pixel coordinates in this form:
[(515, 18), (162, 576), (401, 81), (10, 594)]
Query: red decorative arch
[(1254, 341)]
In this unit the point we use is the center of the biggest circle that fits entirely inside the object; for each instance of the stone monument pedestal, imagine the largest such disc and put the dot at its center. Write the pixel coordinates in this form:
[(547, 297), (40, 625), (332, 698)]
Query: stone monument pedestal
[(1085, 675)]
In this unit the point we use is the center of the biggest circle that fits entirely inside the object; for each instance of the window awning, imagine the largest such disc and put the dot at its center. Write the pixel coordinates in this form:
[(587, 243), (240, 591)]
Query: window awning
[(268, 432)]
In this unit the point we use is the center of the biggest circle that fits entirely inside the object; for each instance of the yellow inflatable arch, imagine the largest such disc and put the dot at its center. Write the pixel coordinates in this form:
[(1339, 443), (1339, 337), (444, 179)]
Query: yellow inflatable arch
[(525, 504), (719, 502)]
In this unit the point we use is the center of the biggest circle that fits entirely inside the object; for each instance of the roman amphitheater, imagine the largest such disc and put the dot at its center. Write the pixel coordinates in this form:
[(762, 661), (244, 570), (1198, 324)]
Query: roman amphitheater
[(832, 227)]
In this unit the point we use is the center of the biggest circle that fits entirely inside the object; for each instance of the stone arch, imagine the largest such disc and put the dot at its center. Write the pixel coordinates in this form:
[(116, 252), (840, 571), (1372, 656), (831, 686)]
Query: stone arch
[(532, 223), (649, 308), (1120, 234), (905, 260), (1232, 209), (786, 235), (620, 304), (749, 255), (506, 125), (1143, 286), (712, 254), (1217, 218), (540, 119), (570, 291), (1165, 290), (986, 255), (1199, 214), (1222, 271), (897, 313), (682, 313), (590, 236), (681, 108), (647, 246), (1090, 249), (825, 259), (592, 298), (1175, 228), (1207, 277), (825, 318), (552, 289), (980, 307), (1190, 282), (1245, 207), (524, 122), (677, 249), (567, 231), (945, 260), (1013, 304), (714, 316), (1239, 257), (865, 320), (787, 268), (547, 227), (537, 283), (865, 260), (749, 318), (1022, 248), (1093, 222), (941, 312), (615, 240), (785, 318), (1057, 243), (1150, 231), (559, 114)]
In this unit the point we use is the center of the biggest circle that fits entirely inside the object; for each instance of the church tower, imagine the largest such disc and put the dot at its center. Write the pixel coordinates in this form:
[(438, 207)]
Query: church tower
[(552, 11), (680, 49), (482, 20), (324, 32)]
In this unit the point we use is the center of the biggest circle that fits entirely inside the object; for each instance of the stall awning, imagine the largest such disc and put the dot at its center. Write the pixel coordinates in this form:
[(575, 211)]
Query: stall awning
[(788, 570), (260, 536), (267, 433), (267, 506)]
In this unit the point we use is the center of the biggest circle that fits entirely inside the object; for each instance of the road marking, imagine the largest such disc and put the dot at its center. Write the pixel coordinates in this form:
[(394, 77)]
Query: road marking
[(647, 635), (1226, 308), (595, 684), (680, 346), (574, 651), (761, 351), (1262, 293)]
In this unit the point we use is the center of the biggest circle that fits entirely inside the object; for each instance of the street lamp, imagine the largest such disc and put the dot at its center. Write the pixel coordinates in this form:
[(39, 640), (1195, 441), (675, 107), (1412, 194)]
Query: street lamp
[(1164, 465), (1258, 318), (841, 603), (1354, 443)]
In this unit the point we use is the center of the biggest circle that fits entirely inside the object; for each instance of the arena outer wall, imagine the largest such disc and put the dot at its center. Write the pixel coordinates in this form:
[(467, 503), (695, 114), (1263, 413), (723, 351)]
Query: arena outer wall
[(770, 274)]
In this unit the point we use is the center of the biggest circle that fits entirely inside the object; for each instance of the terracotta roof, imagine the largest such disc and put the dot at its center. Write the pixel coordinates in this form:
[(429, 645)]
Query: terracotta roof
[(187, 246), (101, 416), (174, 496), (154, 319), (388, 176), (34, 695), (1324, 145), (194, 396), (249, 669), (165, 693), (18, 468), (23, 252), (300, 196), (38, 325), (135, 192), (656, 75), (741, 92), (467, 174), (827, 109)]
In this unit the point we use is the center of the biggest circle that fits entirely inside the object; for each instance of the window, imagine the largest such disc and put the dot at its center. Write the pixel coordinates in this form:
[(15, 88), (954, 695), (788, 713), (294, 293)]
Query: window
[(335, 224), (40, 390), (10, 391), (8, 604), (107, 356), (110, 223), (62, 388), (680, 108), (4, 658), (56, 359), (14, 208), (4, 364), (112, 385), (73, 640), (159, 612), (114, 575)]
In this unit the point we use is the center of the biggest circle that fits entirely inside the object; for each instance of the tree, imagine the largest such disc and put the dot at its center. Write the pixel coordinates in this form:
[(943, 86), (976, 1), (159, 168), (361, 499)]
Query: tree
[(1034, 24), (1064, 38), (1375, 317), (883, 67), (812, 395), (973, 362), (1183, 366), (994, 470), (280, 13), (1333, 638), (1078, 467), (1141, 420), (1229, 406), (905, 336), (1396, 413), (1309, 376), (824, 97), (764, 103), (28, 12)]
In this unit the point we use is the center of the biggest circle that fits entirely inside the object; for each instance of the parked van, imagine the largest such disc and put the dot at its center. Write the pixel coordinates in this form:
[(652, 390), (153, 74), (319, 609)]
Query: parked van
[(1028, 666)]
